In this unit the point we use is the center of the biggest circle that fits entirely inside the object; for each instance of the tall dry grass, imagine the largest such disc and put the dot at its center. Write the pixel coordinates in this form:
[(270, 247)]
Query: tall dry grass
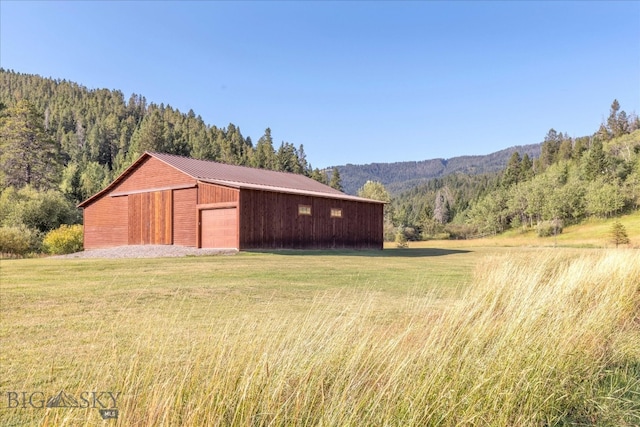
[(550, 339)]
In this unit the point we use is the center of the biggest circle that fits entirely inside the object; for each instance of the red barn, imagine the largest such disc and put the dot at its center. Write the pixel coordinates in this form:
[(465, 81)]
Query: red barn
[(173, 200)]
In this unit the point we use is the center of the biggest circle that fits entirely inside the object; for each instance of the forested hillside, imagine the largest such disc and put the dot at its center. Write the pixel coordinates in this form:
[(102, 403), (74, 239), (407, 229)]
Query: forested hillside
[(59, 134), (401, 176), (573, 179)]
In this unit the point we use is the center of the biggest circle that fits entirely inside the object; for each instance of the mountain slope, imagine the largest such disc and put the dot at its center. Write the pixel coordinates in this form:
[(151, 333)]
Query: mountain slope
[(400, 176)]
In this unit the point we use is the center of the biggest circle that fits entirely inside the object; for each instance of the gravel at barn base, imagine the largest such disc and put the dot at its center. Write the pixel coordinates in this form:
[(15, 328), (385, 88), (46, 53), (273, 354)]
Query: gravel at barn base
[(147, 251)]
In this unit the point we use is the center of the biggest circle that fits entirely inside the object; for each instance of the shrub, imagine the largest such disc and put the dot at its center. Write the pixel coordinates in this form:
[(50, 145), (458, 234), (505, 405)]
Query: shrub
[(40, 210), (410, 234), (550, 228), (19, 240), (461, 231), (66, 239), (401, 240)]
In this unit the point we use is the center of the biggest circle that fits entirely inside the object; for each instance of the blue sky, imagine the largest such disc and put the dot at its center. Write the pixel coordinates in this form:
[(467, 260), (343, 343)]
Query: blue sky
[(355, 82)]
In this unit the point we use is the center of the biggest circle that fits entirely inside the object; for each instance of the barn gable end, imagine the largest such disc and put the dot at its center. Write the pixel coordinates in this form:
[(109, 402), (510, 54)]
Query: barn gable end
[(138, 208)]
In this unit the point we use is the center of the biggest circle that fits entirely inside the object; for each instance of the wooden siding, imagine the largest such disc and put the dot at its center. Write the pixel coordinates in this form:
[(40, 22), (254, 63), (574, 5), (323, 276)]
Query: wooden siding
[(184, 217), (271, 220), (150, 218), (152, 174), (105, 223), (210, 193)]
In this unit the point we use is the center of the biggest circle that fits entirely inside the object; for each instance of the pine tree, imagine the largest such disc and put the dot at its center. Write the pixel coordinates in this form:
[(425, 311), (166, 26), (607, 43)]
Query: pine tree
[(618, 234), (335, 179), (513, 171), (264, 156), (550, 147), (617, 121), (318, 175), (526, 168), (595, 162), (287, 158), (565, 150), (28, 155)]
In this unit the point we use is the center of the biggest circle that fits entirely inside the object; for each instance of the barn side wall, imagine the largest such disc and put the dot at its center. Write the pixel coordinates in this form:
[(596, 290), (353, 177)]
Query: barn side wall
[(270, 220), (106, 223)]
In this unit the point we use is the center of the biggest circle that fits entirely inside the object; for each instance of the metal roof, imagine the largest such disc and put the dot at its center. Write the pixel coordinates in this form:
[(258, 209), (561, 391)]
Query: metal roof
[(253, 178), (239, 177)]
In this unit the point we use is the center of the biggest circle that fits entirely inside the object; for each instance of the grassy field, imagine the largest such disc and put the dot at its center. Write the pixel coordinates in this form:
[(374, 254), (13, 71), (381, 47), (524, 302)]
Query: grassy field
[(448, 336), (592, 233)]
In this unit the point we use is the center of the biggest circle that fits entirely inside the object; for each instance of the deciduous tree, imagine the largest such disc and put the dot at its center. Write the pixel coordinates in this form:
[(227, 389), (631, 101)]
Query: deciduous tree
[(374, 190)]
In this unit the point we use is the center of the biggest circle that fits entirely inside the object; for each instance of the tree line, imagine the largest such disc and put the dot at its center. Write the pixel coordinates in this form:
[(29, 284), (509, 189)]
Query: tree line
[(59, 134), (572, 179)]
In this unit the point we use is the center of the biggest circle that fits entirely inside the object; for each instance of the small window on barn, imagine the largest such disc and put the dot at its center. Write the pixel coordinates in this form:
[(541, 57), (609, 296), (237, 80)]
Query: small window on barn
[(336, 213), (304, 210)]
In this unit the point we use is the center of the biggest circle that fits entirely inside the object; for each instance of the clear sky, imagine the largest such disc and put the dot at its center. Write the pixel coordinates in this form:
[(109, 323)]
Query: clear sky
[(355, 82)]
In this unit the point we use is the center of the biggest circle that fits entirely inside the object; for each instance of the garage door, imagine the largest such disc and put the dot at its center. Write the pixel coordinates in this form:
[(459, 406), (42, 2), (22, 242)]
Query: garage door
[(219, 228)]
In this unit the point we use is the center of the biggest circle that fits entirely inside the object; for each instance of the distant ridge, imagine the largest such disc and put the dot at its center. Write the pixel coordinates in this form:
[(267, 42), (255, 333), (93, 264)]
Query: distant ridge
[(401, 176)]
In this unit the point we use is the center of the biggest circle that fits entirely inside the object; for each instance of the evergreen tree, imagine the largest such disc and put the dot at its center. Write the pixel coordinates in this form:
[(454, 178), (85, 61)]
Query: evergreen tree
[(513, 173), (618, 234), (617, 122), (70, 184), (603, 134), (579, 147), (150, 136), (595, 162), (526, 168), (335, 179), (92, 179), (565, 149), (320, 176), (550, 147), (303, 165), (287, 158), (28, 155), (264, 156)]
